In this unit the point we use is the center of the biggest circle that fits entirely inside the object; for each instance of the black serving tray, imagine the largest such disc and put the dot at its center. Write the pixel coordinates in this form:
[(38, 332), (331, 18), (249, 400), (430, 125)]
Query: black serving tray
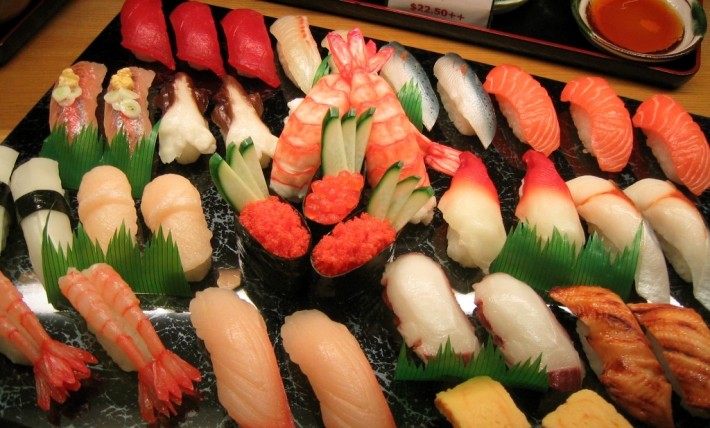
[(17, 31), (109, 398), (540, 28)]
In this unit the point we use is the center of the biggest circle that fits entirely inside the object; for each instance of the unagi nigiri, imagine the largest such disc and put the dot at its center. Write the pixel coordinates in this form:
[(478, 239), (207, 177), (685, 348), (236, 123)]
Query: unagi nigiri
[(145, 33), (619, 352), (337, 369), (676, 140), (73, 102), (602, 120), (126, 105), (249, 383), (526, 105), (196, 37), (296, 49)]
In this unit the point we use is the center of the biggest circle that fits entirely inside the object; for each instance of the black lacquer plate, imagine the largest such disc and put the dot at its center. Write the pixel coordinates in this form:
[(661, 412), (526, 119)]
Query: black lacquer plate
[(109, 398)]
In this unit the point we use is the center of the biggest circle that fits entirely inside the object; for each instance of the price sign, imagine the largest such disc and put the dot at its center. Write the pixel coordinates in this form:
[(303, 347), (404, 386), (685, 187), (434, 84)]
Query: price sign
[(476, 12)]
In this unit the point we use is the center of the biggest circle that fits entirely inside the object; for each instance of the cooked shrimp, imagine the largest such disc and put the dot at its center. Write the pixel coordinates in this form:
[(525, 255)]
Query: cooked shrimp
[(112, 312), (58, 368)]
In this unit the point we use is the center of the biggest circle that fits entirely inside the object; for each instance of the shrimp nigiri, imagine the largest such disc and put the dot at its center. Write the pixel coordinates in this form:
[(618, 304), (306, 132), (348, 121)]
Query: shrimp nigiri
[(113, 314), (73, 102)]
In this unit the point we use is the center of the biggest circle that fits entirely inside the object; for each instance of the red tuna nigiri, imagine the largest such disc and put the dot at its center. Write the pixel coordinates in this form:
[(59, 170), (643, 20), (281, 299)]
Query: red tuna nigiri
[(145, 33), (73, 101), (526, 105), (603, 122), (196, 37), (249, 45), (676, 141)]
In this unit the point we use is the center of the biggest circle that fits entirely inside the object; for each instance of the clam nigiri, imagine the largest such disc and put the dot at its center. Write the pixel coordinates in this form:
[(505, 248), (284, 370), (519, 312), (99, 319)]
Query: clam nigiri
[(126, 105), (145, 33), (676, 140), (296, 49), (196, 37), (74, 97), (610, 213)]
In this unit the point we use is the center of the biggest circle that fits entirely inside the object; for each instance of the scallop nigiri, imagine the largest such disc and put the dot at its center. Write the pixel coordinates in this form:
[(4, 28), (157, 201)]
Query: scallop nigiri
[(145, 32), (196, 37), (526, 105), (680, 228), (337, 369), (469, 106), (610, 213), (297, 49), (676, 140), (249, 383), (74, 97), (126, 105), (602, 120)]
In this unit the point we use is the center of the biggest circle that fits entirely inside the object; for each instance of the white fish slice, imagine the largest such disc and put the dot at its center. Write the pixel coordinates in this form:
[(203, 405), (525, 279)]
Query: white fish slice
[(297, 49)]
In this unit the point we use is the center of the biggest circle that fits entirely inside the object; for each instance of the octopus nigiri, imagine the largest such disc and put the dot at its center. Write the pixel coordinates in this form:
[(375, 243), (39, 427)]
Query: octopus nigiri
[(74, 97), (145, 32), (196, 37), (126, 105)]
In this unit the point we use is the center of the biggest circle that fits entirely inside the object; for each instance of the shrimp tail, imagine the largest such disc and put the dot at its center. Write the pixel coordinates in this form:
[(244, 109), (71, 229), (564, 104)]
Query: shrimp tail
[(353, 55), (60, 369), (441, 158)]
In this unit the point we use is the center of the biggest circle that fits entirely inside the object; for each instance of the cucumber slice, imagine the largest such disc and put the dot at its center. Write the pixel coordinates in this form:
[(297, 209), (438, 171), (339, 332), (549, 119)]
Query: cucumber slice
[(379, 202), (230, 185), (404, 188), (251, 158), (236, 161), (333, 147), (417, 199), (362, 137), (349, 127)]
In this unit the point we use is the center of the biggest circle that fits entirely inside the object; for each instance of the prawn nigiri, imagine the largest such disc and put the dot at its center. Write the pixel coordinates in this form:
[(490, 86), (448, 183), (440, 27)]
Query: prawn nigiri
[(676, 140), (297, 50), (126, 105), (337, 369), (526, 105), (196, 37), (74, 97), (145, 32), (249, 383), (602, 120)]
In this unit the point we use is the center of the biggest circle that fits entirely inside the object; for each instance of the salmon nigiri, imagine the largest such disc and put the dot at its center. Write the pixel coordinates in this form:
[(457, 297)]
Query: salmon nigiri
[(249, 383), (337, 369), (526, 105), (602, 120), (676, 140), (126, 105), (73, 102)]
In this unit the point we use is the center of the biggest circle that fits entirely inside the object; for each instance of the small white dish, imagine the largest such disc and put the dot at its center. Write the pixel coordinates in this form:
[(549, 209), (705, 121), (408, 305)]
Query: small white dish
[(692, 17)]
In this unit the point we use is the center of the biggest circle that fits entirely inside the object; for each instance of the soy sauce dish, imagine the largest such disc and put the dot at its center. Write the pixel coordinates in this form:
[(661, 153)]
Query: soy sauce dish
[(642, 30)]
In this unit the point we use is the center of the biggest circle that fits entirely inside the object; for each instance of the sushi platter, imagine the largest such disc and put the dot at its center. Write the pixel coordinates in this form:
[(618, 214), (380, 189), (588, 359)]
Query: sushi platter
[(109, 397)]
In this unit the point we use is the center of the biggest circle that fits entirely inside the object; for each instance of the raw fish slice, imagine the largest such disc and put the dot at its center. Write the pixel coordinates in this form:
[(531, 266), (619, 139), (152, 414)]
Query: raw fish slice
[(196, 37), (681, 340), (619, 353), (337, 369), (297, 50), (126, 105), (249, 46), (249, 383), (526, 105), (471, 208), (602, 120), (500, 301), (545, 201), (237, 119), (676, 140), (403, 67), (428, 315), (79, 112), (610, 213), (681, 230), (469, 106), (145, 33)]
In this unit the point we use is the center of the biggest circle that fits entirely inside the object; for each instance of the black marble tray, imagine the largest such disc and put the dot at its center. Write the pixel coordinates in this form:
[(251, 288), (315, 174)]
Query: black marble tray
[(110, 397)]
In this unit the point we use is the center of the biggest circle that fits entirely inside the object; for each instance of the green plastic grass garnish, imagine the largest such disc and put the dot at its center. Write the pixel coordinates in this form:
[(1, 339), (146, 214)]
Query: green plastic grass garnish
[(322, 70), (556, 263), (411, 99), (138, 166), (489, 362)]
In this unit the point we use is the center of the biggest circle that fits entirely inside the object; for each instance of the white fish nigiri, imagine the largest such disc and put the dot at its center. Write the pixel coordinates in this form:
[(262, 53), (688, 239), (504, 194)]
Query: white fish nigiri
[(525, 327), (469, 106), (680, 229), (609, 212), (471, 208), (8, 157), (337, 369), (296, 49), (249, 384), (403, 67), (419, 293)]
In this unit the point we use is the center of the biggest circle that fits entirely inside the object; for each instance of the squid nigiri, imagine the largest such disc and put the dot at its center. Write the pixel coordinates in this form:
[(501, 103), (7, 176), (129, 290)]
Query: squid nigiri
[(8, 157), (676, 140), (337, 369), (126, 105), (602, 120), (471, 208), (297, 49), (609, 212), (74, 97), (501, 300), (249, 46), (196, 37), (681, 231), (145, 33)]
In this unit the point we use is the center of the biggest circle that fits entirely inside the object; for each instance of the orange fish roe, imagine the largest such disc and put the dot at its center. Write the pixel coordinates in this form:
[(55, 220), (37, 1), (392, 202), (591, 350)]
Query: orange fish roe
[(352, 244), (277, 226), (334, 197)]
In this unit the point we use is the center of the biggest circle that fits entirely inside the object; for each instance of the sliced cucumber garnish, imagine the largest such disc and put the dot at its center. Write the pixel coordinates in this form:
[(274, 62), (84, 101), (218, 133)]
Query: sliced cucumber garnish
[(333, 146), (362, 137), (416, 200), (381, 198), (232, 185), (401, 193), (251, 158), (236, 161), (349, 128)]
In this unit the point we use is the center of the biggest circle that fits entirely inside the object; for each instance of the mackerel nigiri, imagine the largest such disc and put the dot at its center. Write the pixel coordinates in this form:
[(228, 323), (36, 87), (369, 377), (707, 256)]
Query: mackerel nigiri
[(196, 37), (602, 120), (73, 102), (126, 105), (526, 105), (676, 140), (249, 46), (297, 49), (145, 33), (469, 106)]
